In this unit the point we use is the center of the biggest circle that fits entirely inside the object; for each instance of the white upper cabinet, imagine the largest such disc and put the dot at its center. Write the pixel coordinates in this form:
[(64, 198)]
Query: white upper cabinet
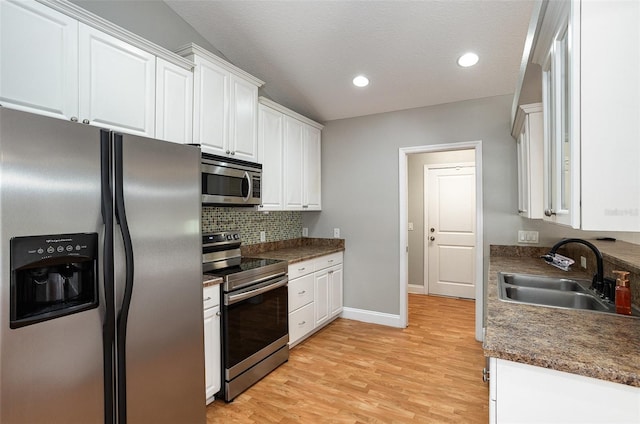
[(528, 131), (290, 147), (117, 83), (311, 169), (243, 119), (59, 60), (174, 102), (589, 52), (270, 151), (225, 115), (38, 59), (293, 163)]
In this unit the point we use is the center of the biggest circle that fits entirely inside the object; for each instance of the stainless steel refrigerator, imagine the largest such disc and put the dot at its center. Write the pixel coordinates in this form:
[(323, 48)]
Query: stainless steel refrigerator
[(101, 315)]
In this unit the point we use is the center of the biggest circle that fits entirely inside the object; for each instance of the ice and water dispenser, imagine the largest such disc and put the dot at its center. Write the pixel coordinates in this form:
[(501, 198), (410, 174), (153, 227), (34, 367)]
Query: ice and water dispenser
[(52, 276)]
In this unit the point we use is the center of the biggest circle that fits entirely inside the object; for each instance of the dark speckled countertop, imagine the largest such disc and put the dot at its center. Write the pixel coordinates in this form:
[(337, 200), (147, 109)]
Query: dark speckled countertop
[(598, 345), (295, 250)]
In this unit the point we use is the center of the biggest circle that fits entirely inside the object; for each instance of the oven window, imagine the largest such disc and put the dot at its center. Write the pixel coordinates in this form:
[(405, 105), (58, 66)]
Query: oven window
[(254, 324), (224, 185)]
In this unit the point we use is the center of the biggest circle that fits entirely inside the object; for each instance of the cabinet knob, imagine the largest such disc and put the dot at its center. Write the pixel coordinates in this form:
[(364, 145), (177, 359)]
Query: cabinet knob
[(432, 238), (233, 153), (549, 212), (228, 151), (74, 119), (85, 121), (218, 313)]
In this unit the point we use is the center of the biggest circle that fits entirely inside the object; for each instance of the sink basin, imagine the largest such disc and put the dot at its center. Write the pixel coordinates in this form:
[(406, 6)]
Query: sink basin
[(536, 281), (549, 291), (557, 298)]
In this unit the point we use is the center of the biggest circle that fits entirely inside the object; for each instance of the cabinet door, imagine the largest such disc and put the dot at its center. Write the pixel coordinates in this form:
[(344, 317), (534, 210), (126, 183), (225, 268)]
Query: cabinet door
[(311, 168), (270, 154), (38, 59), (335, 291), (212, 352), (293, 163), (243, 139), (211, 107), (117, 83), (174, 102), (322, 296)]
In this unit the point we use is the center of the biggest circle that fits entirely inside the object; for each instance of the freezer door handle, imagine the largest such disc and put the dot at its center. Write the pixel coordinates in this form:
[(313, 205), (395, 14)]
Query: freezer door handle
[(121, 217), (109, 326)]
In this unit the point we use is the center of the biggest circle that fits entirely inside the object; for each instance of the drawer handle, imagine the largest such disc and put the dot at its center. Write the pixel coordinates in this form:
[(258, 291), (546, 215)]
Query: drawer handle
[(301, 269), (331, 260), (208, 298), (302, 323), (302, 292)]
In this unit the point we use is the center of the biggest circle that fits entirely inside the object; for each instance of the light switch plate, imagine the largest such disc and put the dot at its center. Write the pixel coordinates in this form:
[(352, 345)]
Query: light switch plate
[(305, 232), (336, 232), (530, 237), (411, 226), (263, 236)]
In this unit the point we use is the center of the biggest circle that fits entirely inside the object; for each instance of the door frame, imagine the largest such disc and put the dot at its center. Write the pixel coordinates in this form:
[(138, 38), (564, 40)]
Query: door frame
[(403, 154), (425, 214)]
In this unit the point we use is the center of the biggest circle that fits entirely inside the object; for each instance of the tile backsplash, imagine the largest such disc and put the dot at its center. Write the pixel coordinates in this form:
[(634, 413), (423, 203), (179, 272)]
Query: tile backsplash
[(280, 225)]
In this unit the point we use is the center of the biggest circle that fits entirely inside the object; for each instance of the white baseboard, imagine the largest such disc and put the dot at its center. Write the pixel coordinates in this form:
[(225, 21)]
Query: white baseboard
[(373, 317), (416, 288)]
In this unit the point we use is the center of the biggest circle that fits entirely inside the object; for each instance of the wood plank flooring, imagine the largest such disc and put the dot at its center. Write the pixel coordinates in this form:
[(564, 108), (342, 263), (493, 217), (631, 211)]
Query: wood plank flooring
[(354, 372)]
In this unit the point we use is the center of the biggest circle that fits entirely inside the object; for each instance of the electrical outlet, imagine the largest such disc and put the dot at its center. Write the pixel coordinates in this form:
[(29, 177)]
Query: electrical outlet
[(583, 262), (336, 232), (305, 232), (411, 226), (263, 236)]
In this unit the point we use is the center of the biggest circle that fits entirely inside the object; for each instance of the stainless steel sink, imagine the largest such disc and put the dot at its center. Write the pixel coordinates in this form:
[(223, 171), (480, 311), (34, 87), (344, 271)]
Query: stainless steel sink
[(550, 291), (557, 298), (540, 282)]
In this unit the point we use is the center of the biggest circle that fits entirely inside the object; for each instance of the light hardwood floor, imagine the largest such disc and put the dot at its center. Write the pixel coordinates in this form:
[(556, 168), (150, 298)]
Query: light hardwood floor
[(353, 372)]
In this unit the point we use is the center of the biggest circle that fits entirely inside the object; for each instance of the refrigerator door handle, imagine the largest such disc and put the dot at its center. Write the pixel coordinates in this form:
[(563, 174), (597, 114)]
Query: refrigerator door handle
[(108, 327), (121, 217)]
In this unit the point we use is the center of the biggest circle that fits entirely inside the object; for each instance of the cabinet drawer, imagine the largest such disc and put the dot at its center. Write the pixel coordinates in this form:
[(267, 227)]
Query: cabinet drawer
[(328, 260), (300, 292), (211, 296), (300, 323), (299, 269)]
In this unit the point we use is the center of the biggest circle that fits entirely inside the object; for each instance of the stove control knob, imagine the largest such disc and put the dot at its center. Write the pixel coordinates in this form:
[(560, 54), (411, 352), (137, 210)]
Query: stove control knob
[(229, 237), (236, 237)]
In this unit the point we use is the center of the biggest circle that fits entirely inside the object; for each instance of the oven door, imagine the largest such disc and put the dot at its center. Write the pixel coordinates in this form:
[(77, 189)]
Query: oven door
[(223, 185), (255, 324)]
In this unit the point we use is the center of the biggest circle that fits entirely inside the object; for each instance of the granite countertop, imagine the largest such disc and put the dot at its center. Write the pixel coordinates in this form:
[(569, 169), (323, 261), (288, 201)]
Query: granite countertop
[(296, 250), (587, 343), (210, 280)]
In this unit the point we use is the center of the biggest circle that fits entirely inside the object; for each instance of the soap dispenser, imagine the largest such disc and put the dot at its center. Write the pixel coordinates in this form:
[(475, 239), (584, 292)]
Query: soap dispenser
[(623, 293)]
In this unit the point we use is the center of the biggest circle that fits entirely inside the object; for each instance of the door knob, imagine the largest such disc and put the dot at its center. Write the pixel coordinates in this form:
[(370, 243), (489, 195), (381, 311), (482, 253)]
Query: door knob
[(432, 238)]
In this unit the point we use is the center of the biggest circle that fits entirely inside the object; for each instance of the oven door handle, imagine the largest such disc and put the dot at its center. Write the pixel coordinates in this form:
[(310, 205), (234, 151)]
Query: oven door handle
[(230, 299)]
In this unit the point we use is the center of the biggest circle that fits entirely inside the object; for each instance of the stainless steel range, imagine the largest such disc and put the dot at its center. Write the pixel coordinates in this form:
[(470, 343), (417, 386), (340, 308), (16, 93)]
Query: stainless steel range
[(255, 326)]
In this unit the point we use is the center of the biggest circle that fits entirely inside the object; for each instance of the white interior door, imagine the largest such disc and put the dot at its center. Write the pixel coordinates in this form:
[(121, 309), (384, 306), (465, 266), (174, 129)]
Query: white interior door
[(450, 230)]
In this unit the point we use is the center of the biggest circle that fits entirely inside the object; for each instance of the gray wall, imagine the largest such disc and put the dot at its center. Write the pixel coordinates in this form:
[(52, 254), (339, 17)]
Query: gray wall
[(360, 192), (415, 170), (150, 19)]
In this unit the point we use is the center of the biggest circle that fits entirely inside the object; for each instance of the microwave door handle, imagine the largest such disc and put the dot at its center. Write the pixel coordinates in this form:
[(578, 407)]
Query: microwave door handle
[(250, 184)]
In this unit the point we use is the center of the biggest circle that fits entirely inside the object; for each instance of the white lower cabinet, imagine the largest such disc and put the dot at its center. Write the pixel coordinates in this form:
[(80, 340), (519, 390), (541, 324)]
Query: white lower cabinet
[(212, 354), (520, 393), (315, 295)]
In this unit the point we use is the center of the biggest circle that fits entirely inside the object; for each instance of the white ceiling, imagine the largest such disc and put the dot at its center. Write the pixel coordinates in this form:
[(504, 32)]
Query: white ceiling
[(309, 51)]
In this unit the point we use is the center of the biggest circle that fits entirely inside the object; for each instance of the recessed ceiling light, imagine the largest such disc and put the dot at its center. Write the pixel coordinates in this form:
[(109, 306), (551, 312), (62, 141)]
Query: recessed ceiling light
[(361, 81), (468, 59)]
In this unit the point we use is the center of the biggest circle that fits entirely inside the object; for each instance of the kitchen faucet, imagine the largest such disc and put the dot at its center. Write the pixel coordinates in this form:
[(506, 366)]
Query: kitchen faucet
[(597, 283)]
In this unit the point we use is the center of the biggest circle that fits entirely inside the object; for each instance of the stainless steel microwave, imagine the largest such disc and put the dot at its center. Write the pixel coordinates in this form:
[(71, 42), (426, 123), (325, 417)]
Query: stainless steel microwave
[(230, 182)]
